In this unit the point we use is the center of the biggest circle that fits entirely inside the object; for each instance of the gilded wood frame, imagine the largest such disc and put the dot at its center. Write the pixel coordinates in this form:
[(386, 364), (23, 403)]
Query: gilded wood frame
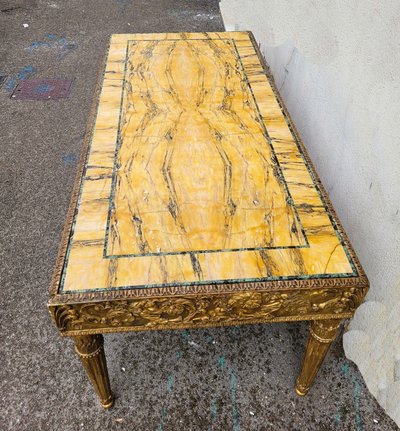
[(325, 299)]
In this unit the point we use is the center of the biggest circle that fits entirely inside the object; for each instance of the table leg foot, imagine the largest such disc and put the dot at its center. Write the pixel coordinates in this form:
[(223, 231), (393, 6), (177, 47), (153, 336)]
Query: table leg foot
[(91, 353), (322, 333)]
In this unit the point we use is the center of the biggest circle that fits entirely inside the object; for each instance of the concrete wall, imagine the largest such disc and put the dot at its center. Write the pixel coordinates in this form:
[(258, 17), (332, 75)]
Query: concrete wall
[(337, 66)]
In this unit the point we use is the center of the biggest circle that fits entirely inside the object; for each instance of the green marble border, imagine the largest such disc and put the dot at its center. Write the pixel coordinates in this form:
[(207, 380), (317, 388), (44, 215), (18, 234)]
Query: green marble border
[(282, 179), (213, 282), (217, 282)]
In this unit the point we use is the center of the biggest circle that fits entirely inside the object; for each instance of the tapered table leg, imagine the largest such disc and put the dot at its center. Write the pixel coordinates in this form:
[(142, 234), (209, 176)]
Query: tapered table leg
[(322, 333), (91, 353)]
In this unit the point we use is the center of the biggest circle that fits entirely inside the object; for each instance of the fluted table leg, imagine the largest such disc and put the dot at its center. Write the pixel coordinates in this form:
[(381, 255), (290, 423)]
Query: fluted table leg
[(91, 353), (322, 333)]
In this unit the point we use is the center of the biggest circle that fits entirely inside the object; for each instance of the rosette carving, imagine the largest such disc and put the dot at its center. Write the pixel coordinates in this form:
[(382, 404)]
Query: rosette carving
[(231, 308)]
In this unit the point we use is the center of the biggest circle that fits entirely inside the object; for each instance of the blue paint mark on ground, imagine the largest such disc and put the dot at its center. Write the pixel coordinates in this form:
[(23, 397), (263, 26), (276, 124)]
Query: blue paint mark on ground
[(10, 84), (36, 45), (170, 382), (21, 75), (337, 418), (233, 383), (186, 335), (221, 361), (69, 160), (67, 48), (213, 413), (356, 397), (170, 388), (61, 44), (213, 409), (235, 412), (25, 72), (42, 89), (161, 424)]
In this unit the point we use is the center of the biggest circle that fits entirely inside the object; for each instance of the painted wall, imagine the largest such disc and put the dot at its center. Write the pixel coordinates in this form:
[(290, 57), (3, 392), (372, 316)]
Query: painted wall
[(337, 65)]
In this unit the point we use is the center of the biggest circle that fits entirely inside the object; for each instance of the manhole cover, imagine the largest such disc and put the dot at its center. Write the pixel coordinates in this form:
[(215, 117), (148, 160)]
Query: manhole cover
[(42, 89)]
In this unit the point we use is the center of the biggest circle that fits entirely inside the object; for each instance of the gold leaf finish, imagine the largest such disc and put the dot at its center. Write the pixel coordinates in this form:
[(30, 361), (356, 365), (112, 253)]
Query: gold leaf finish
[(197, 205), (90, 351), (206, 310), (322, 333)]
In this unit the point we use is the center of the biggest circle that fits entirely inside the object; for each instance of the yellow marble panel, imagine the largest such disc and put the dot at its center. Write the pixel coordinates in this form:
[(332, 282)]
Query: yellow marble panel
[(193, 174)]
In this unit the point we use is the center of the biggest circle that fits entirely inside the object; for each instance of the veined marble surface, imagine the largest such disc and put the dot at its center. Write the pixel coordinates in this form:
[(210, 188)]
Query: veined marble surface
[(193, 175)]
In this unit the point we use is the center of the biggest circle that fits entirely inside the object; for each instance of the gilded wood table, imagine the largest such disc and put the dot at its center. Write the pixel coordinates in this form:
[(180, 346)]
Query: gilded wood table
[(196, 205)]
